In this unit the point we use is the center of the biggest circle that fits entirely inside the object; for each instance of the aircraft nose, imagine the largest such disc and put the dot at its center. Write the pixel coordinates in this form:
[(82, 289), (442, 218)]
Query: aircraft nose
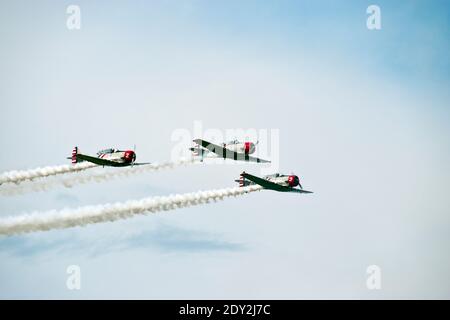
[(293, 181), (130, 155), (249, 147)]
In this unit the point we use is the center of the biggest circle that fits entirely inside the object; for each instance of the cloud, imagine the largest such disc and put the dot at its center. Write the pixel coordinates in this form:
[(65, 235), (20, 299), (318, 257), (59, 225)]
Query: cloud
[(174, 239), (164, 238)]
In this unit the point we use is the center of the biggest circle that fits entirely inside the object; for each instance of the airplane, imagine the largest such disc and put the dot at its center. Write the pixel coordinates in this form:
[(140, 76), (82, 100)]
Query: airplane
[(276, 182), (108, 157), (232, 150)]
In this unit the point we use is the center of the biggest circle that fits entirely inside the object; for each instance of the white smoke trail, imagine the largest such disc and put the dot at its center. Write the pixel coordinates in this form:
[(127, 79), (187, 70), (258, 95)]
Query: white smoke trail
[(32, 174), (91, 176), (111, 212), (125, 172)]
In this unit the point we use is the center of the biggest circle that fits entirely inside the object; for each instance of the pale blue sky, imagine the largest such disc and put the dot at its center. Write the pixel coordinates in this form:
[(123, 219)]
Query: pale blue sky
[(363, 118)]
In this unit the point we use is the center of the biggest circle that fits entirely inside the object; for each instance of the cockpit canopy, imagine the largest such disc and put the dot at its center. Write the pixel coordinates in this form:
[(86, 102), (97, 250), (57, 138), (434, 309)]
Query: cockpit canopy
[(274, 175), (106, 151)]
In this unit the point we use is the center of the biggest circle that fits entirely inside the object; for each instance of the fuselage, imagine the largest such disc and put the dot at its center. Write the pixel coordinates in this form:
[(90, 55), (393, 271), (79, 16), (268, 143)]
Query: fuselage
[(240, 147), (126, 156), (284, 180), (280, 179), (233, 146)]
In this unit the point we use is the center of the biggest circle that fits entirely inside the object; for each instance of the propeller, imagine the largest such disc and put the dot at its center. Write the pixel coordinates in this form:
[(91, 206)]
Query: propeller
[(298, 180), (134, 155)]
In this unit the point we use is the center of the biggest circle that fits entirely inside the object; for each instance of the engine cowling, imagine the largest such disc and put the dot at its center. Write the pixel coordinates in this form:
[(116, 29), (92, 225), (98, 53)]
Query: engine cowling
[(293, 181), (129, 156), (249, 147)]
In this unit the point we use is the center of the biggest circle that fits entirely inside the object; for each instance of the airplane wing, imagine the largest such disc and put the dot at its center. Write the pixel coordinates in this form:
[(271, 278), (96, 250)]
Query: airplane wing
[(101, 162), (211, 147), (271, 185), (297, 190), (253, 159), (228, 154), (104, 162)]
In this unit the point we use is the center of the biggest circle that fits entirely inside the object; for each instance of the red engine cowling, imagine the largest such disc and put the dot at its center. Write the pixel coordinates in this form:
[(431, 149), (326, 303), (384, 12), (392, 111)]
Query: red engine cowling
[(293, 181), (249, 147), (129, 156)]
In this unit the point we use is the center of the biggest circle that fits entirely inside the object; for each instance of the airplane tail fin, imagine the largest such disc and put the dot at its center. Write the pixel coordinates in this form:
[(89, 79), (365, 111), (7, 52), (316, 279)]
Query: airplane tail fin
[(74, 157), (243, 182), (197, 151)]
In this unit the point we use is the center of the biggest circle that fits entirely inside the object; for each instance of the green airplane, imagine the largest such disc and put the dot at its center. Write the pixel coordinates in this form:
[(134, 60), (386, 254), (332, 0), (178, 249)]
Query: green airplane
[(234, 150), (108, 157), (276, 182)]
